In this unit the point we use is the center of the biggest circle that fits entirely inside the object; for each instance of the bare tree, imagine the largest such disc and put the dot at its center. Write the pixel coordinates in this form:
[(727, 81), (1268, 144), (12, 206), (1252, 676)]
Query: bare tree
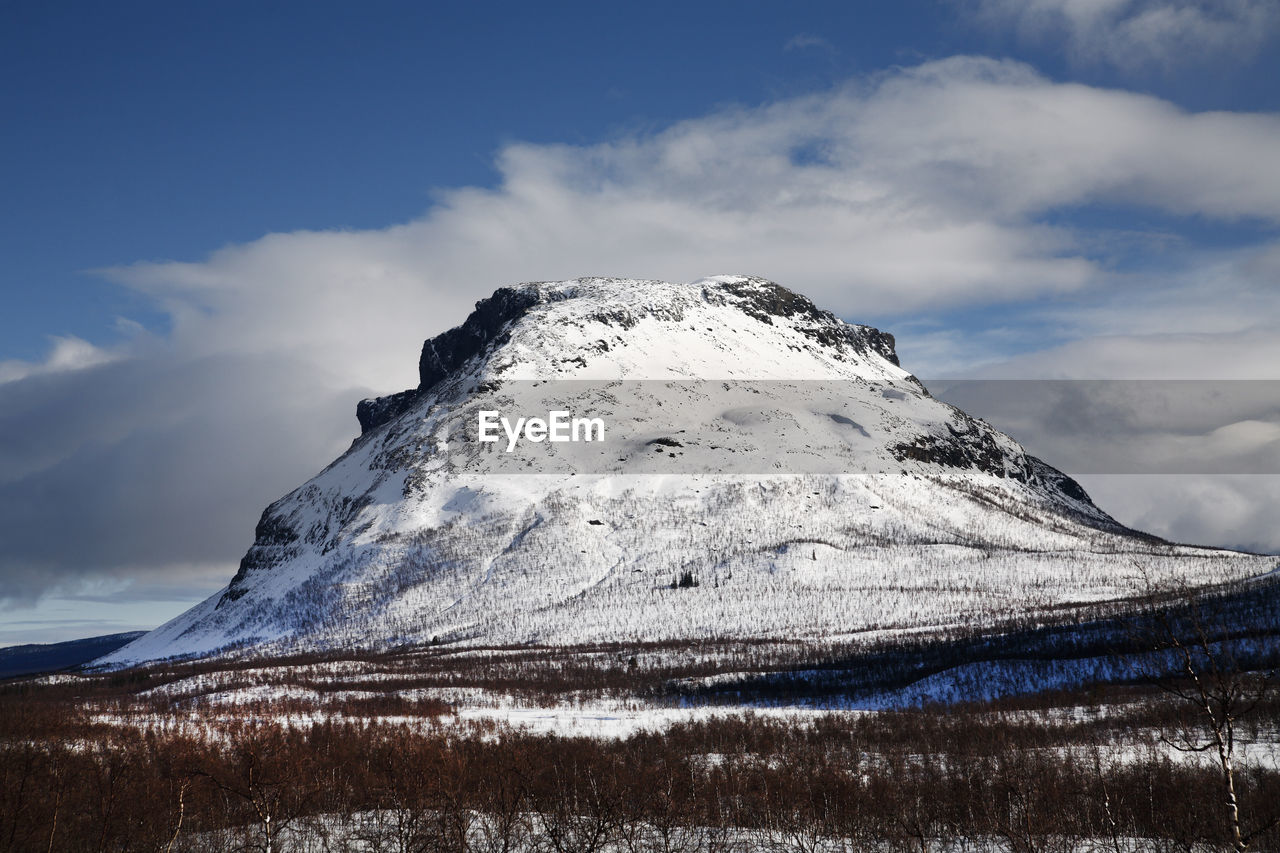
[(1205, 651), (265, 772)]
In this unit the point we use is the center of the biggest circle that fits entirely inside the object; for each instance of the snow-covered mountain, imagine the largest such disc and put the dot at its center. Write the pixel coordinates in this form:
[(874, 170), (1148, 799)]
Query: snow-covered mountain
[(767, 471)]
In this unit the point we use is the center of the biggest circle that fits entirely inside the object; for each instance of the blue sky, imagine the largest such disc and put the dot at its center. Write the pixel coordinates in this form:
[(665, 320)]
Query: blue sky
[(146, 131), (225, 223)]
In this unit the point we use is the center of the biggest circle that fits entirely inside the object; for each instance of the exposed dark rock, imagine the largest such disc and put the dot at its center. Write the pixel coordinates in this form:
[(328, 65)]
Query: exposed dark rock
[(378, 411), (966, 446), (449, 350), (619, 317), (765, 300), (1055, 479), (273, 543), (849, 422)]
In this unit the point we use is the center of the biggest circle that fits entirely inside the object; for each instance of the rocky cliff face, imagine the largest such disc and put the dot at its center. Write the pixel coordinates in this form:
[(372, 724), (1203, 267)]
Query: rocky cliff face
[(757, 445)]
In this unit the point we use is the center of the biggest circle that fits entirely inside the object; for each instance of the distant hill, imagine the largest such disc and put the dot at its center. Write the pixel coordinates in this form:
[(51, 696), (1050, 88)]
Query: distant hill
[(49, 657)]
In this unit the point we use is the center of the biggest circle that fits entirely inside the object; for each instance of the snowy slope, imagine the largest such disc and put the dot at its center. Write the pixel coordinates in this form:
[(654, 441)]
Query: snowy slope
[(777, 456)]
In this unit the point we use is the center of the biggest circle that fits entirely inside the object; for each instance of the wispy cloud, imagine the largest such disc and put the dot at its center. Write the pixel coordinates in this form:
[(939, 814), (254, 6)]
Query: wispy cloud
[(1135, 34), (65, 353), (805, 41)]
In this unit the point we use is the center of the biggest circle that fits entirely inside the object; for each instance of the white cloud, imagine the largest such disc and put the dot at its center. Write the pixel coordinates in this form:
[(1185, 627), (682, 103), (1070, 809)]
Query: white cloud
[(1136, 34), (1234, 511), (65, 353), (1210, 318), (977, 135), (906, 193)]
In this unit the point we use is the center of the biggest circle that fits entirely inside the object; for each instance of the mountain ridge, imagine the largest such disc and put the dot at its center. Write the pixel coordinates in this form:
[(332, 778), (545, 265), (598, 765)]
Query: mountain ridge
[(485, 326)]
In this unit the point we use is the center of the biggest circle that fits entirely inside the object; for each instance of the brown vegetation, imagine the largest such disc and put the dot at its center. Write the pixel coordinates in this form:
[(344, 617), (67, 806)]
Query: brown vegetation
[(907, 780), (364, 754)]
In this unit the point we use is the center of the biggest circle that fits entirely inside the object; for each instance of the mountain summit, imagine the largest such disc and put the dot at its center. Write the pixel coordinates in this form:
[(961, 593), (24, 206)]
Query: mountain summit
[(762, 470)]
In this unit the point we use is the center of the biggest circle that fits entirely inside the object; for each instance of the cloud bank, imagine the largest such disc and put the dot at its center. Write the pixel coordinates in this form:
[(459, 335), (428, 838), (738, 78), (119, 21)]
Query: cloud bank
[(957, 186)]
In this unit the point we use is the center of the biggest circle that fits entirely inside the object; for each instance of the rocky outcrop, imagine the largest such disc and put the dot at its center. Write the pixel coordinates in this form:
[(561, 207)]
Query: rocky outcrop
[(274, 542), (765, 300), (489, 324)]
